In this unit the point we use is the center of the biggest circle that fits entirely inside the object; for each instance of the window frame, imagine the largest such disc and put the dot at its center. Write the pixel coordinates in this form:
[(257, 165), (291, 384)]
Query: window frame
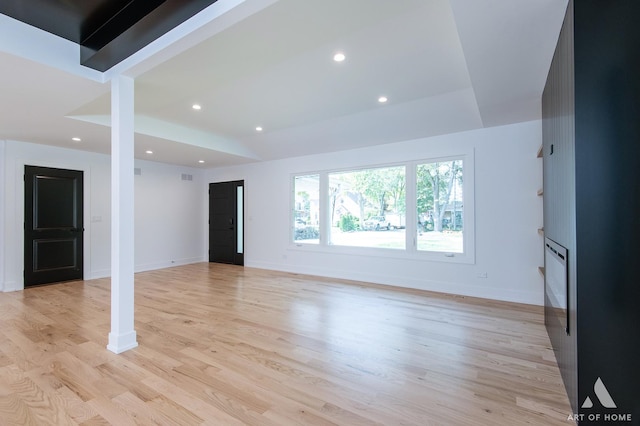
[(292, 210), (410, 251)]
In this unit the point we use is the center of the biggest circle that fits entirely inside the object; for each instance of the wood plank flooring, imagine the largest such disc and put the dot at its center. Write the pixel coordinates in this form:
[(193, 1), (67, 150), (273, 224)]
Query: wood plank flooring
[(225, 345)]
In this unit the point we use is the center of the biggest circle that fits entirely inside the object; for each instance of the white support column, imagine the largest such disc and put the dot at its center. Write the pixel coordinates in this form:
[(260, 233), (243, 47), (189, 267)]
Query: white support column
[(122, 336)]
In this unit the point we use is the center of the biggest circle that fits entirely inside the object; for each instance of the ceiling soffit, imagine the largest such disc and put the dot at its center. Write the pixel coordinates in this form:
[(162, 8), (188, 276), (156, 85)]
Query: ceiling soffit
[(108, 31)]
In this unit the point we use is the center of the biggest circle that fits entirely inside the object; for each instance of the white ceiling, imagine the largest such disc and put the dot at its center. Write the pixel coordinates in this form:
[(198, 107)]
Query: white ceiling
[(445, 65)]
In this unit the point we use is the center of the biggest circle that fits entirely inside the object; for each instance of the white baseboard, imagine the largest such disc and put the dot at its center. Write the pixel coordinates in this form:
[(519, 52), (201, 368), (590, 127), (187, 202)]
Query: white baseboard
[(106, 273), (100, 273), (10, 286), (168, 264), (456, 288), (119, 343)]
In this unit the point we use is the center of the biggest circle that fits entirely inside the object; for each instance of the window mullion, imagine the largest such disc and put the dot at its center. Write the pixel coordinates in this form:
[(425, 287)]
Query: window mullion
[(411, 208), (325, 213)]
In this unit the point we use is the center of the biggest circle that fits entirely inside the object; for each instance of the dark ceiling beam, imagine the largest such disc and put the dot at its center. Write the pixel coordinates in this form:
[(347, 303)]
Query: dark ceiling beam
[(162, 19), (108, 31), (104, 25)]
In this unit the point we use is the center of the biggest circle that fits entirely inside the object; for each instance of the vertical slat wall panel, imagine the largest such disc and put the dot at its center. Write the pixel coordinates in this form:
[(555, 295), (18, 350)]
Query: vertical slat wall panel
[(558, 109), (591, 118)]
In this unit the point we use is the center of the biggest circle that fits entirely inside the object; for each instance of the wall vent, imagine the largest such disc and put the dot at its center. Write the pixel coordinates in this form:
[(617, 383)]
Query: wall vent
[(186, 176), (137, 171)]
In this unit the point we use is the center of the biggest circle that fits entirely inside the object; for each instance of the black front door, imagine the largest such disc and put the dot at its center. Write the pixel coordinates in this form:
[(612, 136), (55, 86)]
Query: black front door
[(226, 227), (53, 228)]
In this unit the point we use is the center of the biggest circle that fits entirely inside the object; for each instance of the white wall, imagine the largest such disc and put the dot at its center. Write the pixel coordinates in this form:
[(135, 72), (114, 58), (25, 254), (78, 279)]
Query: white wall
[(2, 209), (169, 212), (507, 213)]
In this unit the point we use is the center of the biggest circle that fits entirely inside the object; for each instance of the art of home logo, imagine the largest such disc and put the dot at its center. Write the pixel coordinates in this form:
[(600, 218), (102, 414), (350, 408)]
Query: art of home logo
[(605, 399), (603, 396)]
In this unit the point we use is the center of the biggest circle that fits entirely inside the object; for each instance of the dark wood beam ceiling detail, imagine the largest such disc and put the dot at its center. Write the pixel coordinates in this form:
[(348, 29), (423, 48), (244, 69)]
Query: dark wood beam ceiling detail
[(108, 31), (105, 24)]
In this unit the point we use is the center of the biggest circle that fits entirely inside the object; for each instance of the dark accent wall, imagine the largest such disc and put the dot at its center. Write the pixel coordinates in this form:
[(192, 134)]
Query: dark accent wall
[(558, 135), (607, 76), (596, 85)]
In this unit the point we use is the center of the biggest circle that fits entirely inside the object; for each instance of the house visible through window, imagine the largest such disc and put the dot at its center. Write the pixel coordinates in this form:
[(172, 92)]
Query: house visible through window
[(306, 217), (440, 206), (422, 209), (367, 208)]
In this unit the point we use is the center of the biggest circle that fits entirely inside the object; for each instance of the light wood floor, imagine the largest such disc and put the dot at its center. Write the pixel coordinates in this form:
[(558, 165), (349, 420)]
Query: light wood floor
[(226, 345)]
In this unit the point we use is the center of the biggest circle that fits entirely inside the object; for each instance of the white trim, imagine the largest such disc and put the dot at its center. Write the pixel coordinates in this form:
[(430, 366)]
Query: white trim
[(28, 42), (410, 251), (119, 343), (122, 215), (468, 188), (167, 264), (470, 289), (10, 286)]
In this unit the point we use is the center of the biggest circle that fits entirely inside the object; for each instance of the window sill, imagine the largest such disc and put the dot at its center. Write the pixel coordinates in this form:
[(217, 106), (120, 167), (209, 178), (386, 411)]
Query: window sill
[(400, 254)]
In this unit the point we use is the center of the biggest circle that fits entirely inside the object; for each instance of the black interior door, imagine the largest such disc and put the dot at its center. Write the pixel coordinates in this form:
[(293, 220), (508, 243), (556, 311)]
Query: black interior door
[(226, 227), (53, 228)]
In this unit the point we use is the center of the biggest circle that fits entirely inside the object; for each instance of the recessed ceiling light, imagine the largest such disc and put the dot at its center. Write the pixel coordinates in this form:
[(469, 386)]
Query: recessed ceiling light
[(259, 129), (76, 139), (201, 161), (197, 107), (382, 99), (149, 152), (339, 57)]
